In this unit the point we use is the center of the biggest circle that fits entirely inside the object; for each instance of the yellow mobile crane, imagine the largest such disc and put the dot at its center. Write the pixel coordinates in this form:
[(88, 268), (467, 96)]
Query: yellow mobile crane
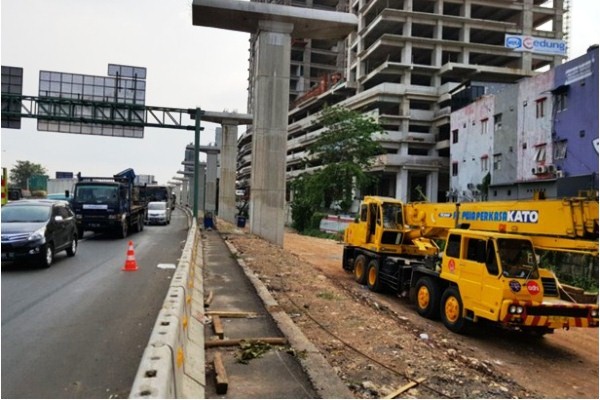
[(488, 269)]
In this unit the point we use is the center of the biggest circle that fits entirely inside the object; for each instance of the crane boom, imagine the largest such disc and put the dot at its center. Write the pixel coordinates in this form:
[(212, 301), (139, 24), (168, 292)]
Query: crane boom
[(561, 225)]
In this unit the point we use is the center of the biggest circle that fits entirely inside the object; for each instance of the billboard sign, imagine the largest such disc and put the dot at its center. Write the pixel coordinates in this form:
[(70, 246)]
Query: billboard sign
[(108, 101), (12, 84), (532, 44)]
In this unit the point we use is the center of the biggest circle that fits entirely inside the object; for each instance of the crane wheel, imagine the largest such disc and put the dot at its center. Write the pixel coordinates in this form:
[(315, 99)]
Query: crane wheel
[(452, 310), (427, 297), (360, 269), (373, 278)]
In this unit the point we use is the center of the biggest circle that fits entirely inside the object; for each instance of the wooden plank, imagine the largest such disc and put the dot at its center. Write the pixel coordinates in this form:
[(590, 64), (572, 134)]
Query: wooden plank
[(236, 342), (208, 299), (233, 314), (221, 379), (404, 388), (218, 326)]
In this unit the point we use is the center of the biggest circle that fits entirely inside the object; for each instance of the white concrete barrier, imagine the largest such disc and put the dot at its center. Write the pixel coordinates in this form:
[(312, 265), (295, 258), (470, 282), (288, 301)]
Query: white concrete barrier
[(172, 364)]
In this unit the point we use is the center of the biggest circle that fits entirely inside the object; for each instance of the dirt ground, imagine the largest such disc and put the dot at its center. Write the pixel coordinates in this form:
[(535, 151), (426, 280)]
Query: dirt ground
[(377, 343)]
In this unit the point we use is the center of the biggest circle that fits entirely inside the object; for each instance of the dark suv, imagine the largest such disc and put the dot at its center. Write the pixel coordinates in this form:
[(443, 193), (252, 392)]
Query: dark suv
[(35, 230)]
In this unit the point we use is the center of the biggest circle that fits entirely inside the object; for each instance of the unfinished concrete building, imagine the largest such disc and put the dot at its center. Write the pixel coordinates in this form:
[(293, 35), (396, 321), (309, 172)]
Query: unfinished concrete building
[(406, 64)]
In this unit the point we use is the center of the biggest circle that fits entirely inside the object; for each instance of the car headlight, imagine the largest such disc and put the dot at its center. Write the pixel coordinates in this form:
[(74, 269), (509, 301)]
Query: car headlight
[(38, 235)]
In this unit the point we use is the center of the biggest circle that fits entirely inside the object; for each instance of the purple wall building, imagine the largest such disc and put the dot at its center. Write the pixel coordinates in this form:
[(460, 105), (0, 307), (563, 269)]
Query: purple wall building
[(575, 124)]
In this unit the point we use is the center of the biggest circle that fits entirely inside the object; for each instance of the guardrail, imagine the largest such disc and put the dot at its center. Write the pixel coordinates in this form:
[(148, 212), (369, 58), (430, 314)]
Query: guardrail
[(172, 365)]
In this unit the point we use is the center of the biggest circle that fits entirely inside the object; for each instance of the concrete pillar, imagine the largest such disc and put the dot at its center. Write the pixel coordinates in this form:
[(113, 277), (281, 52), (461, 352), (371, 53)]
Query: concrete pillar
[(432, 186), (201, 182), (402, 185), (227, 208), (183, 197), (269, 143), (210, 200), (190, 193)]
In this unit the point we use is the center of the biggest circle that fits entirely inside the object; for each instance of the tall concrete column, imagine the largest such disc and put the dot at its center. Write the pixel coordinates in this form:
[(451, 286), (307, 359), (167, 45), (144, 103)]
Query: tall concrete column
[(402, 185), (210, 191), (269, 143), (432, 186), (227, 208), (201, 182)]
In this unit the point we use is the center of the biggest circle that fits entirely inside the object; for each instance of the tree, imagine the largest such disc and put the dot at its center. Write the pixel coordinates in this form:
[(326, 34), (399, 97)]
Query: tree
[(344, 152), (20, 174)]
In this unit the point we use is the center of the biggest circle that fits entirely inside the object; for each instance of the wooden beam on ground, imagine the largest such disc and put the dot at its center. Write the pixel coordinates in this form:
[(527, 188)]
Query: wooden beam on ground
[(235, 342), (218, 326), (233, 314), (404, 388), (208, 299), (221, 380)]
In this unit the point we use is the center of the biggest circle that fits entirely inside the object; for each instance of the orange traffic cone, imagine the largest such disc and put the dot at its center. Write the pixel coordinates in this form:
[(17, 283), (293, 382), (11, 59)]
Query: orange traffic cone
[(130, 264)]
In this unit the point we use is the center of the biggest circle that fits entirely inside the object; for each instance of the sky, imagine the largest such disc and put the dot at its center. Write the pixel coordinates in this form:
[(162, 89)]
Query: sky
[(187, 67)]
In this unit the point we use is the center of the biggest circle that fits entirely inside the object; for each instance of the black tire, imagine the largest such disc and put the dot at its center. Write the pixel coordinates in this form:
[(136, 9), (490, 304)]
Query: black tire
[(373, 278), (427, 297), (123, 230), (452, 310), (360, 269), (47, 256), (72, 249)]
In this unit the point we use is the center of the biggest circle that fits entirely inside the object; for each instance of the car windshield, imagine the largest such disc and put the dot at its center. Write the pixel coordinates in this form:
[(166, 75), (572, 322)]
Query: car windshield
[(27, 213), (517, 258), (157, 206)]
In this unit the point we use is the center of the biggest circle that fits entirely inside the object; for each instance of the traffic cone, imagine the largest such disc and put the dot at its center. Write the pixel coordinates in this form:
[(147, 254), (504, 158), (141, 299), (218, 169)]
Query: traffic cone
[(130, 264)]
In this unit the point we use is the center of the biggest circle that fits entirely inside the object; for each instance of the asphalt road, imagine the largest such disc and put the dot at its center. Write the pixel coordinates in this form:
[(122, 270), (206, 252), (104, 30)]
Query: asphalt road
[(79, 328)]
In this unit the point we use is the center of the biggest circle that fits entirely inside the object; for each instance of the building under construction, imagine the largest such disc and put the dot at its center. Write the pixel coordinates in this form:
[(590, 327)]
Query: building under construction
[(407, 65)]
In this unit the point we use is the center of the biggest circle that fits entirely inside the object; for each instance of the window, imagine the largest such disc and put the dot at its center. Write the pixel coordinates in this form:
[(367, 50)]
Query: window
[(455, 136), (455, 168), (561, 102), (539, 107), (497, 161), (484, 126), (484, 163), (363, 213), (540, 152), (560, 149), (491, 263), (453, 246), (497, 121), (476, 250)]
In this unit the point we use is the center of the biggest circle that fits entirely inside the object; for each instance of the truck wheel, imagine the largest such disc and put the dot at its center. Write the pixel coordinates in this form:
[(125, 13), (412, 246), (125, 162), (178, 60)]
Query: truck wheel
[(139, 225), (452, 310), (373, 279), (427, 297), (360, 269), (124, 230)]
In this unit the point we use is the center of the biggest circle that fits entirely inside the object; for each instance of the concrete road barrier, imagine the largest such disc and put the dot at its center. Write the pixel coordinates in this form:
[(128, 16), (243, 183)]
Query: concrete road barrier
[(172, 364)]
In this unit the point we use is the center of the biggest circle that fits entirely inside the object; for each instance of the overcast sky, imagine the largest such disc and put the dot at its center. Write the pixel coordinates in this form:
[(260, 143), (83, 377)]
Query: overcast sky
[(187, 67)]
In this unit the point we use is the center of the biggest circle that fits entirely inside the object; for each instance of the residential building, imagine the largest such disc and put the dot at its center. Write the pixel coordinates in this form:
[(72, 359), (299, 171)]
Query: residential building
[(543, 145)]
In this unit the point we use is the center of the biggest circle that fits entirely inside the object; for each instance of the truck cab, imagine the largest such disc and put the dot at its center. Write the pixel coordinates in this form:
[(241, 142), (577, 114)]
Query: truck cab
[(496, 276)]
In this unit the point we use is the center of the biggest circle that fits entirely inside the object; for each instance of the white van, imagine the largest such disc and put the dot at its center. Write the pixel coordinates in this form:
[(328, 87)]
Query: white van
[(158, 213)]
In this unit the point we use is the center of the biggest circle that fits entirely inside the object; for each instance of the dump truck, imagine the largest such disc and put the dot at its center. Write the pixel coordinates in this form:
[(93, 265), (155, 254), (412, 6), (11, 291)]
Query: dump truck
[(108, 204), (488, 268)]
